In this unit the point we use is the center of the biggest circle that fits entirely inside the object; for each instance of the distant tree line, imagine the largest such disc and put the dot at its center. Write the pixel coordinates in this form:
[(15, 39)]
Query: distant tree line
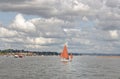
[(12, 51), (46, 53), (6, 51), (23, 51)]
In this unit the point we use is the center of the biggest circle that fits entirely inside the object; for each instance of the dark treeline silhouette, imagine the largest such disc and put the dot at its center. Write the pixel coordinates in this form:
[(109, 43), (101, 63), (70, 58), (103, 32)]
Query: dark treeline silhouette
[(46, 53), (13, 51), (5, 51), (23, 51), (34, 52)]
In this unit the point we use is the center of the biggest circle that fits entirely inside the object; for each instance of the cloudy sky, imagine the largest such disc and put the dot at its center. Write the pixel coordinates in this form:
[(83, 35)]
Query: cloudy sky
[(88, 26)]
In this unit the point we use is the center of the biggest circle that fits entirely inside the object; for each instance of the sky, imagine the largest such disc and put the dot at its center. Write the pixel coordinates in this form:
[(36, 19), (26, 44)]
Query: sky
[(88, 26)]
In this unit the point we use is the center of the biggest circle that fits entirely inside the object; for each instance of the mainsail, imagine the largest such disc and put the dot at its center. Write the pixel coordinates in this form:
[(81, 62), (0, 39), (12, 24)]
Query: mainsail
[(64, 54)]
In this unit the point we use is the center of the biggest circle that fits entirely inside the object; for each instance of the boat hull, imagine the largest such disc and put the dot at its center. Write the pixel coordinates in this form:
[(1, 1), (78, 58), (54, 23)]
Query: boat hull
[(65, 60), (16, 56)]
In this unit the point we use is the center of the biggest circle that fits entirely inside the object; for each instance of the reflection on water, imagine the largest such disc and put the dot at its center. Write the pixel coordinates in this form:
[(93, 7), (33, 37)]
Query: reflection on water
[(50, 67)]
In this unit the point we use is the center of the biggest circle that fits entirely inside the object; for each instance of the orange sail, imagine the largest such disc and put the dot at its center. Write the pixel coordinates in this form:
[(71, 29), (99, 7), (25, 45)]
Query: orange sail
[(64, 54)]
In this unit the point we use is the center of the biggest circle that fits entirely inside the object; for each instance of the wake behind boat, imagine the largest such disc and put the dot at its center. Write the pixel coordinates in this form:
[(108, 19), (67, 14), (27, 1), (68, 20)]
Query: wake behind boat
[(65, 56)]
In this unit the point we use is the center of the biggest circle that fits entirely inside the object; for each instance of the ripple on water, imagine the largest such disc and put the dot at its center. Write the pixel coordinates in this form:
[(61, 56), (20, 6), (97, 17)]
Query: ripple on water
[(50, 67)]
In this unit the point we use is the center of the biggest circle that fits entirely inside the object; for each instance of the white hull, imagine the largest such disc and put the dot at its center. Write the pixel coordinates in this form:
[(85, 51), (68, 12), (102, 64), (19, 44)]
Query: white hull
[(16, 56), (65, 60)]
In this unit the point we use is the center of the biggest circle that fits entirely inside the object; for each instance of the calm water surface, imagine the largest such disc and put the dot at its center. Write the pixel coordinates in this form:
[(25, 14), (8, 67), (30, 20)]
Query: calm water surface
[(50, 67)]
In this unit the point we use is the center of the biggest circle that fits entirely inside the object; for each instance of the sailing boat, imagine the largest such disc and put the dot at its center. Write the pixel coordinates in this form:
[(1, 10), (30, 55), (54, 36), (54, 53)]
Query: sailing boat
[(64, 54)]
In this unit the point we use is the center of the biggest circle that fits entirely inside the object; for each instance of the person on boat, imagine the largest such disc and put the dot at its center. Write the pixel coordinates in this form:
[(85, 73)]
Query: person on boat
[(71, 57)]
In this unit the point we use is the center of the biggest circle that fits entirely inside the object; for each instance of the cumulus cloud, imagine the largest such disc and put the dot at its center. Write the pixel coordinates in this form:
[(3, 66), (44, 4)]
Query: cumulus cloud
[(49, 27), (21, 25), (113, 34), (87, 25), (47, 8), (85, 18), (4, 32), (37, 33), (113, 3)]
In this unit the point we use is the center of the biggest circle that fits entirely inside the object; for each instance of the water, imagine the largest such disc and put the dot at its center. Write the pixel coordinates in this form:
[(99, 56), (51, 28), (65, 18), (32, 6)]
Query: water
[(50, 67)]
